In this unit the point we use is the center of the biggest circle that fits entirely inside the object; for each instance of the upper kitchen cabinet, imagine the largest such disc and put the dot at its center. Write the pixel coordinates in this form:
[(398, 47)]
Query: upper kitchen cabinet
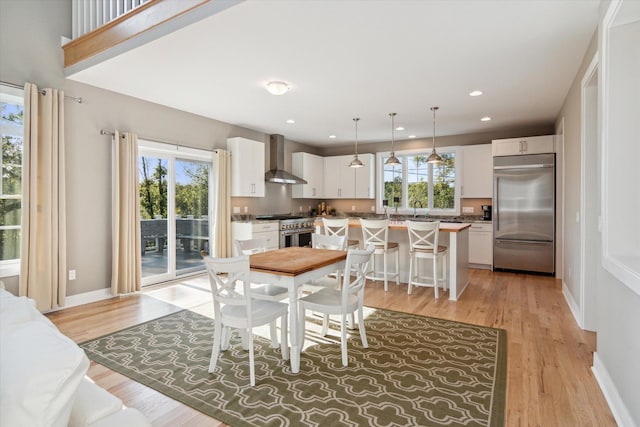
[(247, 167), (520, 146), (477, 171), (339, 178), (311, 168), (366, 177)]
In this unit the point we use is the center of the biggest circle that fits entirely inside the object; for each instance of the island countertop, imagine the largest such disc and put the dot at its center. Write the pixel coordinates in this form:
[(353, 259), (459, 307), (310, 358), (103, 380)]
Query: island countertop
[(450, 227)]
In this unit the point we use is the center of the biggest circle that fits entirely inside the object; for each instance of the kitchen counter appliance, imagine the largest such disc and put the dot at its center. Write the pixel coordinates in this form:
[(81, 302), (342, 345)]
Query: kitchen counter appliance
[(524, 213), (294, 230)]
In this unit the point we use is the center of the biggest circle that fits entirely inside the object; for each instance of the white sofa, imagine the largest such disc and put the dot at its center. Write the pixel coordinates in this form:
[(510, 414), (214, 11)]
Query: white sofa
[(43, 375)]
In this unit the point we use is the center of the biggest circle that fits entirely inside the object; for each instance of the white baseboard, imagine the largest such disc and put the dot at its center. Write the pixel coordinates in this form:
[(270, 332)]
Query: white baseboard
[(572, 303), (608, 387), (87, 297)]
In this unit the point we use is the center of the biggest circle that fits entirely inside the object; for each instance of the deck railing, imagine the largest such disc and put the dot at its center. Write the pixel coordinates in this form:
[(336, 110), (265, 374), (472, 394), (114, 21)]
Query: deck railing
[(91, 14)]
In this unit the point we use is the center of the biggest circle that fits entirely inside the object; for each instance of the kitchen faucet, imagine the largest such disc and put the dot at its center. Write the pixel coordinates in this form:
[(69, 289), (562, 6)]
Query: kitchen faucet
[(415, 206)]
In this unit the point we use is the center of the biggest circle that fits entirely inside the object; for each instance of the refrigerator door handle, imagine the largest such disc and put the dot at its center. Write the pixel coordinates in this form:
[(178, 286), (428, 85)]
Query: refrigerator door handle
[(536, 166), (496, 202), (523, 242)]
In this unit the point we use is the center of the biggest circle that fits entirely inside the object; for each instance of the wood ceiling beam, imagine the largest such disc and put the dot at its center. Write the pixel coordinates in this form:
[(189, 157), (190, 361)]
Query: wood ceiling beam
[(125, 27)]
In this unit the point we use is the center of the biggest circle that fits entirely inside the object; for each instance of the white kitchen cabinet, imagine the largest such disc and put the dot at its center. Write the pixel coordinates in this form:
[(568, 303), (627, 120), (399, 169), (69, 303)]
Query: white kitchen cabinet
[(244, 230), (343, 182), (339, 178), (519, 146), (366, 177), (247, 167), (481, 245), (310, 168), (477, 171)]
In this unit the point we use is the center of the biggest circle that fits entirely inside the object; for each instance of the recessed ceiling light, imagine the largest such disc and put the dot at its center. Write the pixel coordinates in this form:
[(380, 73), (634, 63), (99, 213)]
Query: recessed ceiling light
[(291, 121), (332, 136), (412, 136), (277, 87), (485, 119), (399, 128), (475, 93)]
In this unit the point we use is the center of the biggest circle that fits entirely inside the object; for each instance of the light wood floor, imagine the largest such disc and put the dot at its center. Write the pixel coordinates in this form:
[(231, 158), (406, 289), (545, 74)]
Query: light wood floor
[(550, 382)]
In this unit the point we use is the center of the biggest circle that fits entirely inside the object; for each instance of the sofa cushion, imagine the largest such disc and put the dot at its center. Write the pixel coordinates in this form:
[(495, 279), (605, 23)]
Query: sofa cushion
[(91, 404), (16, 310), (40, 372)]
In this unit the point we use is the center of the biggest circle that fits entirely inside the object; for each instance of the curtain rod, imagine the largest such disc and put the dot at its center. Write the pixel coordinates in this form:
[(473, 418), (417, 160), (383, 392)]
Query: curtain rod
[(112, 133), (41, 91)]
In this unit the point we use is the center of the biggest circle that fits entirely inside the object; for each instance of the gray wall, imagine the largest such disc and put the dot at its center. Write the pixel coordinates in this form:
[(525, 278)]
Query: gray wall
[(616, 307)]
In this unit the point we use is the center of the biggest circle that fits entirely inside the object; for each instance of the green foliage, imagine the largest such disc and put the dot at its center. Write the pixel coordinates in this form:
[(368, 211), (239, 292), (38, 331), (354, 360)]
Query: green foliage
[(193, 198), (12, 117)]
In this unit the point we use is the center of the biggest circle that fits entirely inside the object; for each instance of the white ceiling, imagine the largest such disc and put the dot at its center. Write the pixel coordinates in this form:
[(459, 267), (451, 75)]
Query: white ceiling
[(364, 59)]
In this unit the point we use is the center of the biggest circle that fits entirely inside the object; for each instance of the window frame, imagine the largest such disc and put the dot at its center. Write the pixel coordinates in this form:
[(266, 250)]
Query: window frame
[(11, 267), (408, 210)]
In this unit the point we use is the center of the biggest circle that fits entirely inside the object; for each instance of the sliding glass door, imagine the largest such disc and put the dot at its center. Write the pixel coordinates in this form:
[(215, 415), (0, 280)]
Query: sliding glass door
[(175, 207)]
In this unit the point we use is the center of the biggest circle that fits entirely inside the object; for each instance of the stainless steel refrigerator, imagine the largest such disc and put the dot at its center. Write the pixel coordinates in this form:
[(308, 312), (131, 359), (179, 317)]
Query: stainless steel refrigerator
[(524, 213)]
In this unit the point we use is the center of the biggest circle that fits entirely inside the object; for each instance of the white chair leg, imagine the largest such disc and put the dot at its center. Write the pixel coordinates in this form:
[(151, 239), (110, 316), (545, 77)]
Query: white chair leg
[(411, 258), (244, 338), (226, 335), (301, 323), (343, 339), (217, 342), (352, 321), (384, 267), (284, 333), (325, 325), (397, 268), (435, 276), (252, 369), (363, 333), (274, 334)]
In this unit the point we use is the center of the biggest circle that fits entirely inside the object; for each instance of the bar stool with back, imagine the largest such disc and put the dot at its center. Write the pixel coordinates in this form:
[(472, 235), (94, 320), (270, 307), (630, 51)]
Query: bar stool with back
[(423, 244), (376, 232)]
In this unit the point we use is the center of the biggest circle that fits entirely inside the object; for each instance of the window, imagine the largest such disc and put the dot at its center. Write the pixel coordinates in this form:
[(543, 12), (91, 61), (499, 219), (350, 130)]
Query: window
[(418, 185), (11, 130)]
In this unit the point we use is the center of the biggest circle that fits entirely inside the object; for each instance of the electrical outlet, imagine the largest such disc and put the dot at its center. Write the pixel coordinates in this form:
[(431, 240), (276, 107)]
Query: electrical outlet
[(300, 208), (353, 208), (236, 209), (72, 275), (246, 209), (373, 208), (467, 209)]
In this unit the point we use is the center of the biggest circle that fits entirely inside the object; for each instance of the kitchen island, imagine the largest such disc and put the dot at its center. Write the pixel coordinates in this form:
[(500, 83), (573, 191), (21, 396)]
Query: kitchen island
[(453, 235)]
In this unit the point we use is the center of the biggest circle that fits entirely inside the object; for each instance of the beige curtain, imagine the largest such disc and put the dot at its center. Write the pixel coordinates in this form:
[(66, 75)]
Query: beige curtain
[(125, 223), (222, 197), (44, 247)]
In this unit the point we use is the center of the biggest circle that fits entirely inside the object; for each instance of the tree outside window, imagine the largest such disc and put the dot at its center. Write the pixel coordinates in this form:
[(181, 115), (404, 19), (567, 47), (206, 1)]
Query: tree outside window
[(12, 131)]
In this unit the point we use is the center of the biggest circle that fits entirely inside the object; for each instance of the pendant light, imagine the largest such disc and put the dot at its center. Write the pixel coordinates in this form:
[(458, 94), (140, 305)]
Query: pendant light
[(392, 160), (356, 163), (434, 157)]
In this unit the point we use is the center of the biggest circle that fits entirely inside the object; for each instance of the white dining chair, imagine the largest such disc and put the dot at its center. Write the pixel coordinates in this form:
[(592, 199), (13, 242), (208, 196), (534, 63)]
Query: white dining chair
[(343, 301), (339, 227), (423, 244), (261, 291), (241, 311), (376, 232)]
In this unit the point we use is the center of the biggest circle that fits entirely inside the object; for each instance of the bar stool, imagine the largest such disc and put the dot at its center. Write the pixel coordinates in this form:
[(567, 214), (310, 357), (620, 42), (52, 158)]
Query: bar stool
[(339, 227), (423, 244), (376, 232)]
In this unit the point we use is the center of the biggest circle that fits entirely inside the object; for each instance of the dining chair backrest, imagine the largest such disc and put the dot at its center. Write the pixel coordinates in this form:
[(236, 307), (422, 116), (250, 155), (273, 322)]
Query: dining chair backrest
[(323, 241), (225, 290), (251, 246), (423, 235), (336, 226), (375, 232), (358, 263)]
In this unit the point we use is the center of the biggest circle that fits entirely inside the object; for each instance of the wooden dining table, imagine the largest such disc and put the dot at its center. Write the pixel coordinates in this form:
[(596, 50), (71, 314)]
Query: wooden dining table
[(290, 268)]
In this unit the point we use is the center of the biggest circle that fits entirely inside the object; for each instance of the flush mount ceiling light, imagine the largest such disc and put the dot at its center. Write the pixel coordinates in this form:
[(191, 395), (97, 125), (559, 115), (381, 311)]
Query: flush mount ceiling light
[(356, 163), (399, 128), (475, 93), (392, 160), (277, 88), (291, 121), (332, 136), (485, 119), (434, 157)]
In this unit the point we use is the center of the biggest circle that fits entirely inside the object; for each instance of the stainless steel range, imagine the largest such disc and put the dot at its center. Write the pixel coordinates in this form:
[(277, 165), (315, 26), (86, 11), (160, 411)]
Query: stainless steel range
[(294, 230)]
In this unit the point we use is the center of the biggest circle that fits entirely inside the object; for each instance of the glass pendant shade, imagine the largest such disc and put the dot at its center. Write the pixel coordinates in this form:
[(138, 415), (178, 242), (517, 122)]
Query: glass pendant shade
[(356, 162), (434, 157), (392, 160)]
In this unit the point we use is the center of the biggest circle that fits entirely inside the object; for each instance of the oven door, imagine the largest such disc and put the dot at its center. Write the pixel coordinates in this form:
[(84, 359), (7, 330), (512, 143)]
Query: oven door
[(288, 239), (304, 238)]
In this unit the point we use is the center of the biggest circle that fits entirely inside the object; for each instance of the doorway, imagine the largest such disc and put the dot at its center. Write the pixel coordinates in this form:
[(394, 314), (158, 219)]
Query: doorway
[(175, 206)]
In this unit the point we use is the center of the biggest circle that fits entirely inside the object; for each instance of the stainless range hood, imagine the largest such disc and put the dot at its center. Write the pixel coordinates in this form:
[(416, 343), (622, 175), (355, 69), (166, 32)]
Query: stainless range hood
[(276, 163)]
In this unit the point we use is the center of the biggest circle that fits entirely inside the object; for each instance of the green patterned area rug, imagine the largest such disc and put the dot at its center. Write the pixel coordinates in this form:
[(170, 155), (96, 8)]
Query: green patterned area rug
[(417, 371)]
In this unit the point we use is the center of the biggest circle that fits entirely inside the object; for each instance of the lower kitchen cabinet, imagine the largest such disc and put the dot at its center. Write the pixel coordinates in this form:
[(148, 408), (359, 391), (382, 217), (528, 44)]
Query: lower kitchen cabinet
[(270, 230), (481, 245)]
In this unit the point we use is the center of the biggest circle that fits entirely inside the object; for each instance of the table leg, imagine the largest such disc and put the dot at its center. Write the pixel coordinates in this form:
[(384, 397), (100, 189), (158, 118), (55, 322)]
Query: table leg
[(293, 329)]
